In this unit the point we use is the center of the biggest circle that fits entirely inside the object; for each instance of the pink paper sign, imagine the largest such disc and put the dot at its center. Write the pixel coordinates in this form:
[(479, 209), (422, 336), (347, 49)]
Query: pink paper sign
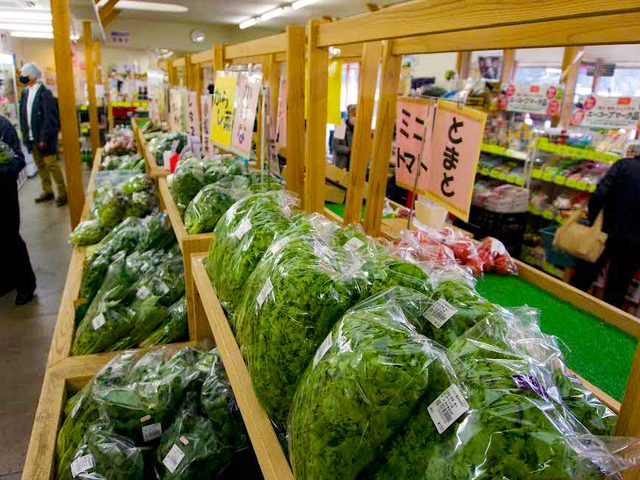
[(245, 114), (413, 122), (193, 115), (281, 126), (455, 149)]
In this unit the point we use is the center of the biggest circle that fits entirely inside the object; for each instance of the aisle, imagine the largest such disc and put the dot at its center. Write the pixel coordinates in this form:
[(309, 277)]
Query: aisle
[(26, 332)]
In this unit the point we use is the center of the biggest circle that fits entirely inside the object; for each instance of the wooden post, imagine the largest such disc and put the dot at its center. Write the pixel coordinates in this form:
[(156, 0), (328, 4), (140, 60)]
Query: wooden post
[(315, 154), (463, 64), (361, 147), (67, 107), (272, 77), (90, 74), (628, 424), (187, 81), (570, 77), (96, 50), (383, 139), (171, 72), (218, 58), (508, 62), (295, 108)]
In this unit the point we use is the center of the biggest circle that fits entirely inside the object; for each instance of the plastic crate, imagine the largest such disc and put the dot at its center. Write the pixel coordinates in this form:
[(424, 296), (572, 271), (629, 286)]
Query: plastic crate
[(553, 255), (497, 224)]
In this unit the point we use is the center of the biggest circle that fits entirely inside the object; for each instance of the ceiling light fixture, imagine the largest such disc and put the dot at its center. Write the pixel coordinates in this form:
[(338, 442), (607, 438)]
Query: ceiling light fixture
[(32, 34), (302, 4), (248, 23), (23, 27), (25, 16), (272, 14), (148, 6)]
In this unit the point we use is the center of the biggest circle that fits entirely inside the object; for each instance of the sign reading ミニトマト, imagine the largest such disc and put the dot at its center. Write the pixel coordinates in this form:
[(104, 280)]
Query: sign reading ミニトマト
[(607, 112)]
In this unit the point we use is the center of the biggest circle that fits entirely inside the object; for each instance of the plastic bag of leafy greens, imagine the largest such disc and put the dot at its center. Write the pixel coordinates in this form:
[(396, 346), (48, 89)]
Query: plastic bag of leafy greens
[(81, 410), (113, 208), (295, 298), (212, 202), (129, 162), (146, 316), (157, 233), (165, 282), (110, 162), (214, 171), (140, 204), (88, 232), (6, 153), (173, 329), (363, 383), (139, 166), (105, 455), (219, 404), (241, 237), (138, 183), (261, 182), (190, 446), (188, 180)]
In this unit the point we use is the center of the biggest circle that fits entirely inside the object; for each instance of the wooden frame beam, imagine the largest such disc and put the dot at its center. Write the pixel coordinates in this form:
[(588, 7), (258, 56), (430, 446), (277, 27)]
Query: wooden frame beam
[(218, 58), (98, 61), (463, 64), (106, 9), (508, 62), (94, 129), (295, 37), (262, 46), (570, 69), (110, 17)]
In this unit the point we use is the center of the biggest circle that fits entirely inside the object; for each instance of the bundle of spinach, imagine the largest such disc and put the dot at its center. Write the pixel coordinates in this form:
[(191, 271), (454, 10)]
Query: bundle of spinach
[(112, 208), (173, 329), (187, 181), (157, 233), (138, 183), (88, 232)]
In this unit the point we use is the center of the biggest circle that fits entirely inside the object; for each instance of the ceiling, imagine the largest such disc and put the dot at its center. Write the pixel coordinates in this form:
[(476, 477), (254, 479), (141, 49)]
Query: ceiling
[(236, 11)]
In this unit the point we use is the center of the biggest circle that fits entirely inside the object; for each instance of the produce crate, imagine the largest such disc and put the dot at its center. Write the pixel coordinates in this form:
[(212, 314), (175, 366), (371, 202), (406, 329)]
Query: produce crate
[(498, 224), (153, 168), (189, 244), (60, 382), (553, 255), (265, 442)]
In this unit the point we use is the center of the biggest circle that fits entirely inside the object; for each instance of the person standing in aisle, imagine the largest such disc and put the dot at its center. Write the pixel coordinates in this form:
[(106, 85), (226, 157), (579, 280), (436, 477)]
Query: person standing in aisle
[(618, 197), (40, 124), (15, 270), (343, 138)]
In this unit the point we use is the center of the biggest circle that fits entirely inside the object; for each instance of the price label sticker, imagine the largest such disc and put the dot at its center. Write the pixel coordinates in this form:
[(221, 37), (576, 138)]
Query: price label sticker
[(440, 312), (581, 185), (98, 321), (353, 244), (82, 464), (146, 418), (184, 440), (151, 432), (243, 228), (276, 247), (173, 458), (536, 173), (266, 290), (447, 408), (547, 215), (143, 293), (560, 180)]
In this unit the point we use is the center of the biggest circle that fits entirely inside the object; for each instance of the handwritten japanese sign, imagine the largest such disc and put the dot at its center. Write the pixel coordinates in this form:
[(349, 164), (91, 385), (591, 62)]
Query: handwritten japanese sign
[(175, 113), (281, 125), (453, 158), (532, 98), (193, 114), (413, 124), (205, 106), (245, 113), (223, 108), (607, 112)]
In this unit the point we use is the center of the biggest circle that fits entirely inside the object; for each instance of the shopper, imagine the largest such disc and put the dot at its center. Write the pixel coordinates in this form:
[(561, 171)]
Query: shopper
[(40, 126), (618, 197), (343, 139), (15, 269)]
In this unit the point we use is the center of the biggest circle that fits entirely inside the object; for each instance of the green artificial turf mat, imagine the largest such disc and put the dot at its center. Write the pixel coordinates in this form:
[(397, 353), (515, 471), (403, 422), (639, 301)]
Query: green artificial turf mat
[(599, 352), (338, 209)]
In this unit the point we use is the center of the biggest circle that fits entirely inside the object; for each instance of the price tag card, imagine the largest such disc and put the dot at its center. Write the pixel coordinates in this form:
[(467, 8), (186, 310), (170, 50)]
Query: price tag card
[(173, 458), (447, 408), (193, 115), (245, 111), (440, 312), (223, 105), (82, 464)]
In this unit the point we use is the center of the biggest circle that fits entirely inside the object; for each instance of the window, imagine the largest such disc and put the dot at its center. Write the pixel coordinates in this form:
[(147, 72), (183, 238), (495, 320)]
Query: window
[(538, 74), (349, 90), (625, 82)]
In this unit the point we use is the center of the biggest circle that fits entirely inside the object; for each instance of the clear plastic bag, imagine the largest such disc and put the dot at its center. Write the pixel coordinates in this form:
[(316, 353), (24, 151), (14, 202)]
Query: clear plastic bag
[(241, 238), (112, 208), (496, 258), (363, 383), (88, 232), (173, 329), (187, 181), (138, 183), (146, 316), (157, 233)]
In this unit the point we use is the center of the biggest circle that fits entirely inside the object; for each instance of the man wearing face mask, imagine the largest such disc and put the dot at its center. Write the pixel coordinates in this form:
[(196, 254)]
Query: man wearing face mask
[(40, 125), (343, 138)]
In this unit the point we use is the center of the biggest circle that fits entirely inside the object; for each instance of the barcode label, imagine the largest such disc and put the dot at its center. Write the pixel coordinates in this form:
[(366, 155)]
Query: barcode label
[(440, 312), (163, 288), (143, 293), (447, 408), (243, 228), (266, 290), (151, 432), (173, 458), (353, 244), (98, 321), (81, 464), (326, 345)]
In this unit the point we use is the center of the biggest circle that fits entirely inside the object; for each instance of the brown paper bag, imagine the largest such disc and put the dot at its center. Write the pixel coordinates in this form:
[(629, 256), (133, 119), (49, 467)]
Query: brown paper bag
[(580, 240)]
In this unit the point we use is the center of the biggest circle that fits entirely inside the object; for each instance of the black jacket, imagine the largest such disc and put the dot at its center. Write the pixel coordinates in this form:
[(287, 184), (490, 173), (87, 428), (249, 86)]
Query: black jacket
[(618, 193), (342, 148), (9, 172), (45, 123)]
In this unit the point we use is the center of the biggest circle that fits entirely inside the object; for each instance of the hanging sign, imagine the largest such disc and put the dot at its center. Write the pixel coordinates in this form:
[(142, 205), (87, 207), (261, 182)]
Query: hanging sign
[(531, 98), (334, 84), (175, 114), (245, 112), (453, 158), (413, 124), (607, 112), (281, 127), (193, 115), (222, 110), (205, 105)]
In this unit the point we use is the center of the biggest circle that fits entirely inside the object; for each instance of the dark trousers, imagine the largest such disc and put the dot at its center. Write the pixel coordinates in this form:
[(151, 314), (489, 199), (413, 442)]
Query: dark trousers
[(15, 269), (623, 259)]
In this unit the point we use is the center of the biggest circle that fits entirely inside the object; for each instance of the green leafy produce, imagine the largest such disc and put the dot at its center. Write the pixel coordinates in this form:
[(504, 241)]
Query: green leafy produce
[(165, 282), (146, 315), (292, 300), (105, 455), (6, 154), (157, 233), (188, 180), (164, 143), (173, 329), (190, 448), (222, 166), (138, 183), (241, 237), (362, 385), (88, 232), (123, 162), (139, 205), (113, 208), (347, 233)]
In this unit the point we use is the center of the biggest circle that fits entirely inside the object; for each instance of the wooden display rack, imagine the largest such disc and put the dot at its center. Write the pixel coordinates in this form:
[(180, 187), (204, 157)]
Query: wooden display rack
[(153, 169)]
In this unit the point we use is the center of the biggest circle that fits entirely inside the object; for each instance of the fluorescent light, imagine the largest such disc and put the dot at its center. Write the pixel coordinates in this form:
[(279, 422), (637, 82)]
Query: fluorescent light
[(302, 4), (25, 16), (272, 14), (32, 34), (147, 6), (23, 27), (248, 23)]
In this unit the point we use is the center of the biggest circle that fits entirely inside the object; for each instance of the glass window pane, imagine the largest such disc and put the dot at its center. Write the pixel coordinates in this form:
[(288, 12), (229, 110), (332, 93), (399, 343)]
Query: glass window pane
[(538, 75)]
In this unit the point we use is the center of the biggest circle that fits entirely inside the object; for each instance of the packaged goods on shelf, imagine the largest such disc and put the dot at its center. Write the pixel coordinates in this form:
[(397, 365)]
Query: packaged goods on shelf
[(120, 141), (123, 162), (500, 198)]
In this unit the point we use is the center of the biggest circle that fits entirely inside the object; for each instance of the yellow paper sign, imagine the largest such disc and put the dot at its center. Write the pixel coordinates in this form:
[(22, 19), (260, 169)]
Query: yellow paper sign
[(333, 92), (223, 108)]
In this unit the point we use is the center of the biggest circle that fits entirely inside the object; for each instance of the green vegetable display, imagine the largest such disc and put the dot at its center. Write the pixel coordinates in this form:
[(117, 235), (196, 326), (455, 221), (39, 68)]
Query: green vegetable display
[(6, 153), (173, 329), (164, 143), (187, 181), (112, 208), (241, 238), (138, 183), (139, 205), (146, 316), (157, 233), (88, 232), (123, 162)]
